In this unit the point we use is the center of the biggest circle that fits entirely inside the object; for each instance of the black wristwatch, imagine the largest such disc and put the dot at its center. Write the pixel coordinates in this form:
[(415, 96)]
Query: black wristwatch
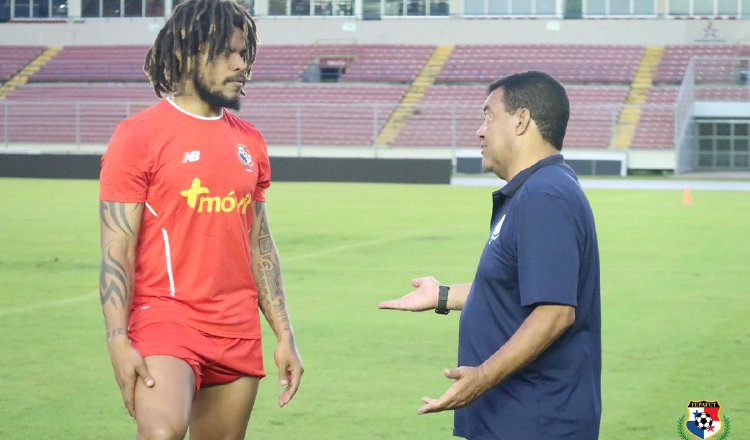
[(442, 304)]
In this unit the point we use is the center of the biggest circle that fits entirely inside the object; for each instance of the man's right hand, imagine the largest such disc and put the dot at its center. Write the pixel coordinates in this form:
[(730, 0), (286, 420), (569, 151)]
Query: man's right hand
[(425, 297), (129, 366)]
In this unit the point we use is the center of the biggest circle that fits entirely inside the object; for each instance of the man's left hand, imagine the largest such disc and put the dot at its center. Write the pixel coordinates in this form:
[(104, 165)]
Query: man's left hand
[(468, 384), (290, 370)]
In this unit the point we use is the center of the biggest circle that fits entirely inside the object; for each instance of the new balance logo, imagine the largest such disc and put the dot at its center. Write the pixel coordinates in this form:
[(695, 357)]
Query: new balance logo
[(191, 156)]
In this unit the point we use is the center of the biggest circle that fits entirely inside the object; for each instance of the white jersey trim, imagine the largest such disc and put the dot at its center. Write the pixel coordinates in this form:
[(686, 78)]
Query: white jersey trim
[(169, 260), (151, 209), (170, 99)]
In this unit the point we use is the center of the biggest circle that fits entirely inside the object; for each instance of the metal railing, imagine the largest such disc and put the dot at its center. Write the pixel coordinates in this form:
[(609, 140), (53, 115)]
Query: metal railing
[(88, 125), (83, 125)]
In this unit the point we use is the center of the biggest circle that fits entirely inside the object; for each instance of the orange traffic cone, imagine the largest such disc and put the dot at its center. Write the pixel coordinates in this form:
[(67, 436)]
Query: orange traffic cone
[(687, 198)]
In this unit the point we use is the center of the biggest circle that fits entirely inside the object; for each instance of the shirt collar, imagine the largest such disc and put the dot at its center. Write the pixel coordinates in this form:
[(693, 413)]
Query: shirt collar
[(511, 187), (170, 99)]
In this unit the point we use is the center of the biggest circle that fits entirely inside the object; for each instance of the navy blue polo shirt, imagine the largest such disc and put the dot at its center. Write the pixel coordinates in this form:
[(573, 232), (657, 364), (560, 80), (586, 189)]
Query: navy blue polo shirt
[(542, 249)]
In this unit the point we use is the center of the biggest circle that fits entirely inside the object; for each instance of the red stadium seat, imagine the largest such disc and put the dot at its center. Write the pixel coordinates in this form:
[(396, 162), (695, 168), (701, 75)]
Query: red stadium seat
[(15, 58)]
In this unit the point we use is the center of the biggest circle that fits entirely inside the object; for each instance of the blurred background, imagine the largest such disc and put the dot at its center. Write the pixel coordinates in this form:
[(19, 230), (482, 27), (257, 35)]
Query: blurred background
[(656, 86)]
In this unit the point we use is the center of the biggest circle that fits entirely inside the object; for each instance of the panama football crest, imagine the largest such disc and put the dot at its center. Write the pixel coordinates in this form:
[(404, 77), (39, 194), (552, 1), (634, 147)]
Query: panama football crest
[(703, 421), (244, 155)]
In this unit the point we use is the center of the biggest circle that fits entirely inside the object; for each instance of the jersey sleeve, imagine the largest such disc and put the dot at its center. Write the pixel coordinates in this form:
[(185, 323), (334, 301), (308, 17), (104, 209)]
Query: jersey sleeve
[(548, 251), (264, 172), (125, 167)]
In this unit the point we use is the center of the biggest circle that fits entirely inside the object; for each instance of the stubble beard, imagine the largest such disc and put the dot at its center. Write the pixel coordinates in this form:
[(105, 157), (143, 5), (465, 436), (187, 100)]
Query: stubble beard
[(212, 98)]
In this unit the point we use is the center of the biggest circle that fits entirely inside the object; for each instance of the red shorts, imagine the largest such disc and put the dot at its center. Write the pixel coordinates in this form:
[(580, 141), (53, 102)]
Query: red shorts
[(215, 360)]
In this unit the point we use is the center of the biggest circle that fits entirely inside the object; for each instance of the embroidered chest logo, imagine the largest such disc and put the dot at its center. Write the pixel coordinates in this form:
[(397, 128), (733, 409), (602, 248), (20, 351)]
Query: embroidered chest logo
[(496, 231), (245, 158), (191, 156)]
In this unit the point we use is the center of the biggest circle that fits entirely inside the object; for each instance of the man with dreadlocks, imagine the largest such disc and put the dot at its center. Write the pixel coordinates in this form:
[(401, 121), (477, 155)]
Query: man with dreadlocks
[(187, 253)]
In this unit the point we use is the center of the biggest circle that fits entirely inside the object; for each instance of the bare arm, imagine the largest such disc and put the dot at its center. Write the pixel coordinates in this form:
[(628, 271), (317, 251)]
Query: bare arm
[(542, 327), (120, 224), (457, 296), (272, 301), (267, 273), (425, 296)]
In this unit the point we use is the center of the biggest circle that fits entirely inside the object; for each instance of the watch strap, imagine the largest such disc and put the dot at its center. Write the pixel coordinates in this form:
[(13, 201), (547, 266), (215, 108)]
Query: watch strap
[(442, 304)]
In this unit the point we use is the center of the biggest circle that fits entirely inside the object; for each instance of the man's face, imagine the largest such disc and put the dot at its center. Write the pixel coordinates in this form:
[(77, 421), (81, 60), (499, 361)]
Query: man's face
[(220, 82), (497, 135)]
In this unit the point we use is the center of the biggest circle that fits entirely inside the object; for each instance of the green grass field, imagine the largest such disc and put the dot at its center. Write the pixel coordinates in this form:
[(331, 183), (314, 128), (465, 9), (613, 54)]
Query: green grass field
[(675, 287)]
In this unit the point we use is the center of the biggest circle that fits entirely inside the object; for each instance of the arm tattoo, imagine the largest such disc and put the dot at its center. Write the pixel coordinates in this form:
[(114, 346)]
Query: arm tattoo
[(111, 212), (271, 297), (114, 282), (116, 332), (115, 279)]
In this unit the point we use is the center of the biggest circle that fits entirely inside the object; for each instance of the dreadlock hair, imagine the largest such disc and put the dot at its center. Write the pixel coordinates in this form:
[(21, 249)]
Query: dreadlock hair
[(193, 26)]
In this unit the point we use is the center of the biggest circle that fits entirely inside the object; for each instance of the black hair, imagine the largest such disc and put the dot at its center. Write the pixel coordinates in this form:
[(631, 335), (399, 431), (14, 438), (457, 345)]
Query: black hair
[(193, 24), (543, 96)]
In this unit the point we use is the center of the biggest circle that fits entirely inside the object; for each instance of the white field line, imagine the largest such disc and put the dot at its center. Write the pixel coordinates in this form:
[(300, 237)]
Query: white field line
[(357, 245), (44, 305), (92, 296)]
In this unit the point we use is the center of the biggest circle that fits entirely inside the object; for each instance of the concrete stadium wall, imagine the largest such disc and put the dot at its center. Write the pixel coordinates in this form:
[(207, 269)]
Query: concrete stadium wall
[(584, 162), (285, 169), (444, 30)]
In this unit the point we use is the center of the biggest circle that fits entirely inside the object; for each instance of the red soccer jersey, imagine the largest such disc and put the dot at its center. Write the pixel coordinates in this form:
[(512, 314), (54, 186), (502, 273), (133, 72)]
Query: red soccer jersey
[(198, 178)]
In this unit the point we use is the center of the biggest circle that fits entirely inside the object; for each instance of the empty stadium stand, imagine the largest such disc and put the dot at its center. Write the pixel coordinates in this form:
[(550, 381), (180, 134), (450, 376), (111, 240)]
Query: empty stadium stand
[(281, 62), (14, 58), (385, 63), (72, 113), (569, 63), (656, 127), (357, 62), (593, 113), (320, 114), (602, 64), (676, 57), (723, 93), (95, 63), (378, 63), (314, 114), (85, 90)]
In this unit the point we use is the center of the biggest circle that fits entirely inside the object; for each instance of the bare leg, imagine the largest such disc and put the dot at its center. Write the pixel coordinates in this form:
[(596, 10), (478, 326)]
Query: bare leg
[(221, 412), (163, 412)]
